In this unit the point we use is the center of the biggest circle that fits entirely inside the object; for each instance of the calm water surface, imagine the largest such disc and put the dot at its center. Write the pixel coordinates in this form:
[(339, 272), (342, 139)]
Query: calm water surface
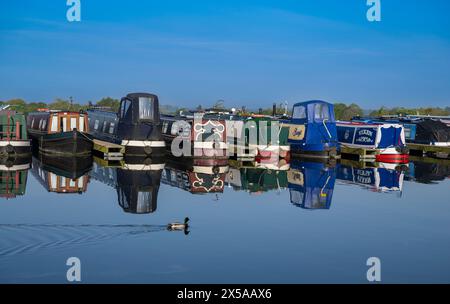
[(310, 223)]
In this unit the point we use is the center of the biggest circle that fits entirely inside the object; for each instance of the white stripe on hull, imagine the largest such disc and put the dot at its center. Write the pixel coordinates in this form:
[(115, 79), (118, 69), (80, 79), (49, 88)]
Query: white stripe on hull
[(15, 143), (143, 143)]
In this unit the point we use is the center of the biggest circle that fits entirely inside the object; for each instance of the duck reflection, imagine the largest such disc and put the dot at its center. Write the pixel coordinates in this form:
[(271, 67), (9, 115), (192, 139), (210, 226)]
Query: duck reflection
[(198, 176), (381, 177), (13, 177), (136, 181), (257, 177), (311, 184), (428, 170), (62, 174)]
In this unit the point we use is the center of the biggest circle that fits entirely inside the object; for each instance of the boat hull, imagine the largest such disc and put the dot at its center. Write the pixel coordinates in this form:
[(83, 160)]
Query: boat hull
[(64, 143)]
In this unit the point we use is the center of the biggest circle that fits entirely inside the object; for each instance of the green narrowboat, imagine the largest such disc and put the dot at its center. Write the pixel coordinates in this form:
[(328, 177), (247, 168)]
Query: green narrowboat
[(14, 140)]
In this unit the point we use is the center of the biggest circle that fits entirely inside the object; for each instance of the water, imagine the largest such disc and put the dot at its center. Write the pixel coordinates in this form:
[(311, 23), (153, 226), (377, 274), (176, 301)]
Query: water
[(311, 223)]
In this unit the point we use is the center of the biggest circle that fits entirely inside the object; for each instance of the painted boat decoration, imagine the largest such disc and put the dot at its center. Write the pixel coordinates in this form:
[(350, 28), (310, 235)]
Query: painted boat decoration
[(62, 133), (312, 131), (196, 134), (136, 126), (382, 178), (13, 177), (257, 178), (137, 184), (311, 184), (62, 174), (386, 140), (14, 140), (195, 176)]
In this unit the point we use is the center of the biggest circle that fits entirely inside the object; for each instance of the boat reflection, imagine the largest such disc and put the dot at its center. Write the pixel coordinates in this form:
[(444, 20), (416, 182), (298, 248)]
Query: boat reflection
[(428, 170), (13, 177), (258, 177), (197, 176), (311, 184), (136, 181), (62, 174), (380, 177)]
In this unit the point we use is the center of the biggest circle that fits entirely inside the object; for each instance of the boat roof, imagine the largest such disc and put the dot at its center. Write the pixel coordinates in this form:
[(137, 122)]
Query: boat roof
[(367, 123), (311, 102)]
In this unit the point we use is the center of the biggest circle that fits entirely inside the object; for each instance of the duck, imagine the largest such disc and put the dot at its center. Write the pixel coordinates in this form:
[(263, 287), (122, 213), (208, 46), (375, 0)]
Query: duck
[(176, 226)]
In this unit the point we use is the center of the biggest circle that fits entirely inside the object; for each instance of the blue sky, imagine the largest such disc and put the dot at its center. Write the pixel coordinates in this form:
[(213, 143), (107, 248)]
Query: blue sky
[(249, 53)]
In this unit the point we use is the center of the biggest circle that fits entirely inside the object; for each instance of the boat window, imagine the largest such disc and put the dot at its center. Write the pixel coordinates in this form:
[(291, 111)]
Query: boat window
[(54, 127), (44, 124), (40, 124), (299, 112), (111, 128), (165, 126), (32, 124), (125, 109), (96, 124), (145, 108), (81, 124), (64, 124), (73, 123), (321, 111), (104, 127)]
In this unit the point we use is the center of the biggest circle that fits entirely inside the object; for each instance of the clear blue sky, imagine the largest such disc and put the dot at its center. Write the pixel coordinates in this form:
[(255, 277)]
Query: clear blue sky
[(246, 52)]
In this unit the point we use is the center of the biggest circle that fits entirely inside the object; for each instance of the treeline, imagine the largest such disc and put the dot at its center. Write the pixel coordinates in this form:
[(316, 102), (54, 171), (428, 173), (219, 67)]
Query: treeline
[(342, 111), (22, 106)]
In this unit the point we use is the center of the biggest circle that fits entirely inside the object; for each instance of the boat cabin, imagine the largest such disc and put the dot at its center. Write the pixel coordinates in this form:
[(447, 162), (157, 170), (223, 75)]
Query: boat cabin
[(204, 133), (136, 125), (312, 130), (49, 122)]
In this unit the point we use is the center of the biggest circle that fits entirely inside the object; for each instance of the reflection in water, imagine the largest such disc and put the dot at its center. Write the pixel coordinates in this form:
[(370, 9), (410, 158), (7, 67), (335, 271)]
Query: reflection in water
[(136, 181), (428, 171), (311, 184), (380, 178), (62, 174), (258, 177), (195, 175), (13, 177)]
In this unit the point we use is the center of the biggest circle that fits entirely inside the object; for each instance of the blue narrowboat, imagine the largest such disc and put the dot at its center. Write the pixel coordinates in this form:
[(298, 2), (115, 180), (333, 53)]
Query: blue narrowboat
[(136, 126), (311, 184), (386, 140), (312, 130)]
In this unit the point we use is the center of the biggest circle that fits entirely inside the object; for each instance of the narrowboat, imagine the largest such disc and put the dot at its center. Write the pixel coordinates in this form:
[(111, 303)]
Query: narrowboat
[(137, 185), (14, 140), (62, 133), (195, 176), (311, 184), (194, 134), (251, 136), (256, 177), (383, 177), (62, 174), (136, 125), (312, 130), (381, 142), (13, 178), (433, 131)]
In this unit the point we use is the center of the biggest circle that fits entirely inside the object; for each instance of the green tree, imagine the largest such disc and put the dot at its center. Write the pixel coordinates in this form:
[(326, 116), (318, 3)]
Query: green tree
[(109, 102)]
